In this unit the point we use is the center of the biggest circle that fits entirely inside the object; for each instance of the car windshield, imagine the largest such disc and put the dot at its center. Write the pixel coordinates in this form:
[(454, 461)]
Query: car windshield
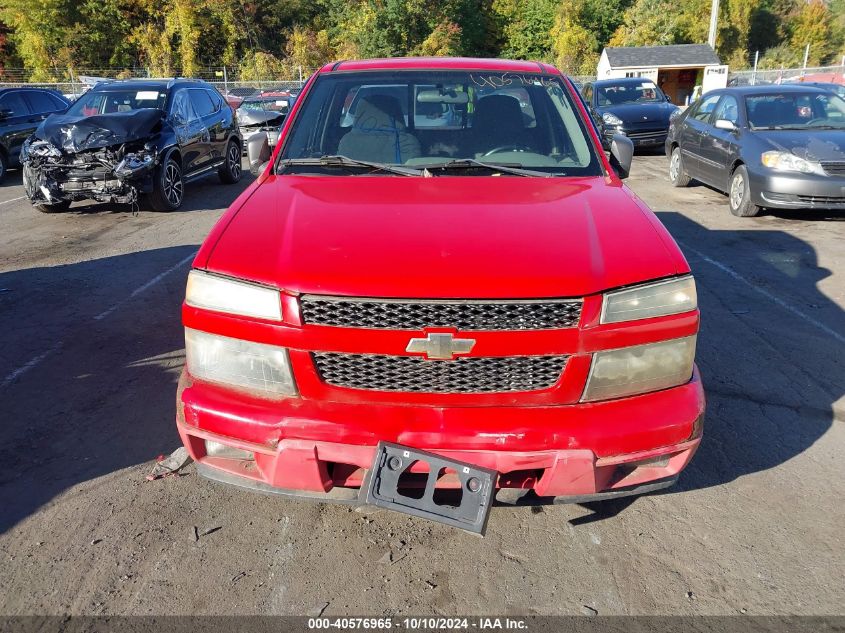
[(272, 105), (426, 119), (795, 110), (120, 100), (629, 92)]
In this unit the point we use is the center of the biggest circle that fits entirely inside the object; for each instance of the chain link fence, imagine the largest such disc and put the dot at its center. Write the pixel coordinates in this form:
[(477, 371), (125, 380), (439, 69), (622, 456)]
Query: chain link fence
[(834, 74), (240, 82)]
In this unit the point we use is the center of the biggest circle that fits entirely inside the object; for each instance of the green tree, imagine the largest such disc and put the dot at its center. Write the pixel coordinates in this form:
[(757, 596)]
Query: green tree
[(812, 26)]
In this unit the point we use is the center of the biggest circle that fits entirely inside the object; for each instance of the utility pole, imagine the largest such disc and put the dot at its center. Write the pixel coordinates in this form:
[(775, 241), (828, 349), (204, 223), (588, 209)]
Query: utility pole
[(714, 20), (806, 56), (754, 72)]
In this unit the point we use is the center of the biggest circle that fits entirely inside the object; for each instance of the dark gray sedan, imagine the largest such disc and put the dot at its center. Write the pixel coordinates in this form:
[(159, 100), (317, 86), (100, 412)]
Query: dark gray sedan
[(780, 147)]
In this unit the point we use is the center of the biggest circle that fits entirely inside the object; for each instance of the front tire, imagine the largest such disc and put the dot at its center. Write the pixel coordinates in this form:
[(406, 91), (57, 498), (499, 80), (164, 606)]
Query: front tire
[(739, 194), (677, 176), (169, 188), (230, 171)]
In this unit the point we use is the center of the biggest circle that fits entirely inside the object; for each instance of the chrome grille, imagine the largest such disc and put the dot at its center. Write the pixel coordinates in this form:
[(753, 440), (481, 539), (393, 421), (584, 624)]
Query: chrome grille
[(398, 314), (413, 374), (834, 168)]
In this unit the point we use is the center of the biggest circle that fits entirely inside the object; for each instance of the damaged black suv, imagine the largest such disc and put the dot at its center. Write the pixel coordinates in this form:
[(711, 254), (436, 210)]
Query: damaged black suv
[(124, 139)]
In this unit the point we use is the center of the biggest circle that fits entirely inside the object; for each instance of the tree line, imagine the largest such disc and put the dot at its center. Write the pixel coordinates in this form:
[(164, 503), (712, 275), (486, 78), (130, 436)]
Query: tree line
[(264, 38)]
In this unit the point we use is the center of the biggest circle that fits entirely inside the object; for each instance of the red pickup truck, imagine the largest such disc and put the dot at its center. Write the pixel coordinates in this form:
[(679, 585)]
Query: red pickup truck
[(439, 294)]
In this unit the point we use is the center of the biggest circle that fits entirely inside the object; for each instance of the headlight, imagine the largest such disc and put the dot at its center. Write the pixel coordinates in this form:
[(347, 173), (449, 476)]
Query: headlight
[(222, 294), (256, 367), (643, 302), (640, 369), (787, 161), (611, 119)]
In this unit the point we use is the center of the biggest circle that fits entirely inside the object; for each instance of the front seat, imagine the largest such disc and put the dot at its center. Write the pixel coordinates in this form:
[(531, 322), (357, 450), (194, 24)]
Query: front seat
[(378, 133), (497, 123)]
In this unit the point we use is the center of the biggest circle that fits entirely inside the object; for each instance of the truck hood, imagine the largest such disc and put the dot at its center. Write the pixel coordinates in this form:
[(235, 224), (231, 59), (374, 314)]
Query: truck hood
[(442, 237)]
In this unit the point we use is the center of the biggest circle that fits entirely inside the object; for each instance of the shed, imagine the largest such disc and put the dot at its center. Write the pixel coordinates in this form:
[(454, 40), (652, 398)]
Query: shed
[(677, 68)]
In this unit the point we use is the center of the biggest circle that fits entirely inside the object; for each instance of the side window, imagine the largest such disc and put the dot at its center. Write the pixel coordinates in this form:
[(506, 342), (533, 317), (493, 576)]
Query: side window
[(13, 101), (40, 102), (202, 102), (727, 110), (57, 103), (216, 99), (182, 108), (705, 108)]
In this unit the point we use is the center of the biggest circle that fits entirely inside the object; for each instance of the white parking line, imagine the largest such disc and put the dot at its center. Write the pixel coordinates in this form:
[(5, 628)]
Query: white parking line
[(152, 282), (783, 304), (8, 380), (12, 200)]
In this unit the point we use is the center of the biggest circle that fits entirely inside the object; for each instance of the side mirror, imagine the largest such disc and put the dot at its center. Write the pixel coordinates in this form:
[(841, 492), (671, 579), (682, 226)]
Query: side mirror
[(724, 124), (621, 155), (668, 98), (5, 114), (258, 152)]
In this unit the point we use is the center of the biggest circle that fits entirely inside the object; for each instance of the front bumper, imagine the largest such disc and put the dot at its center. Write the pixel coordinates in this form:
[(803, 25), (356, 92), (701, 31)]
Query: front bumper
[(565, 453), (653, 138), (796, 191)]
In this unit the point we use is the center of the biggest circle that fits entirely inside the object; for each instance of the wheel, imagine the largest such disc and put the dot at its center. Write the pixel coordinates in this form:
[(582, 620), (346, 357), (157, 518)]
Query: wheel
[(677, 176), (230, 171), (58, 207), (739, 195), (4, 165), (168, 188)]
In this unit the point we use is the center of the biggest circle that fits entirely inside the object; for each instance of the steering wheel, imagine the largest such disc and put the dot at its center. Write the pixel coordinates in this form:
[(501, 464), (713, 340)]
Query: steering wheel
[(508, 148)]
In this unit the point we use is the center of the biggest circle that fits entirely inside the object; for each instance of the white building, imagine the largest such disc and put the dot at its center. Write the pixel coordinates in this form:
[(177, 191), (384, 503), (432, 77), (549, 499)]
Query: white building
[(677, 69)]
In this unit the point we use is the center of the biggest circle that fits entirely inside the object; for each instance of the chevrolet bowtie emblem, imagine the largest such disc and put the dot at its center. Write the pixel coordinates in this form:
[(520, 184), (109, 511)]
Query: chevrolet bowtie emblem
[(440, 346)]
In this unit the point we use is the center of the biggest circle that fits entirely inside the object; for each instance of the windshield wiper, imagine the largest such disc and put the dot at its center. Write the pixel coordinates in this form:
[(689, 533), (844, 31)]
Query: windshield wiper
[(502, 168), (345, 161)]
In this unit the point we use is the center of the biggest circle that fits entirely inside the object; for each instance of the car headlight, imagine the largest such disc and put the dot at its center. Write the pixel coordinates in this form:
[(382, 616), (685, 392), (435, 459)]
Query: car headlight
[(787, 161), (256, 367), (223, 294), (640, 369), (611, 119), (644, 302)]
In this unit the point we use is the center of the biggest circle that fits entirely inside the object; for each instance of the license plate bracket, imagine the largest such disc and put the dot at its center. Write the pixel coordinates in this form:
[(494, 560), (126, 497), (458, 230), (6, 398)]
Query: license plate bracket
[(477, 488)]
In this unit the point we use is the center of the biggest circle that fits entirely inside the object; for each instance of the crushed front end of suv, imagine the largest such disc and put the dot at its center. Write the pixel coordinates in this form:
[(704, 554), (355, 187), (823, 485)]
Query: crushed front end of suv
[(121, 140), (439, 295)]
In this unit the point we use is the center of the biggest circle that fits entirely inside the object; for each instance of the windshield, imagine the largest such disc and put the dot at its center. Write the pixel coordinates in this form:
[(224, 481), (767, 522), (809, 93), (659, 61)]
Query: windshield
[(629, 92), (425, 118), (795, 110), (271, 105), (121, 100)]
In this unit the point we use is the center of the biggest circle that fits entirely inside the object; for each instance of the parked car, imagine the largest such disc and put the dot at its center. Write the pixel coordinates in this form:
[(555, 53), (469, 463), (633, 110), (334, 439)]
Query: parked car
[(837, 89), (262, 114), (635, 107), (781, 147), (125, 138), (411, 311), (21, 111)]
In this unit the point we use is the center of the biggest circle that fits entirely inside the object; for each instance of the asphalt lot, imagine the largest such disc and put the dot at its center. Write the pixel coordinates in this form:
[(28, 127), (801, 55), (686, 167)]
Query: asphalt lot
[(91, 348)]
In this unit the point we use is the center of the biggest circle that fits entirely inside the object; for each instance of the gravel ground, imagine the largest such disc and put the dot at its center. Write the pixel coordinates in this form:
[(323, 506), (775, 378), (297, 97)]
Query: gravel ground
[(91, 348)]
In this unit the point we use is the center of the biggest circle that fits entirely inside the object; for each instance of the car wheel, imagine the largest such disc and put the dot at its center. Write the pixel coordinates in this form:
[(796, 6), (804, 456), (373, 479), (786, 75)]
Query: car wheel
[(677, 176), (230, 170), (739, 194), (169, 188), (58, 207), (3, 166)]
